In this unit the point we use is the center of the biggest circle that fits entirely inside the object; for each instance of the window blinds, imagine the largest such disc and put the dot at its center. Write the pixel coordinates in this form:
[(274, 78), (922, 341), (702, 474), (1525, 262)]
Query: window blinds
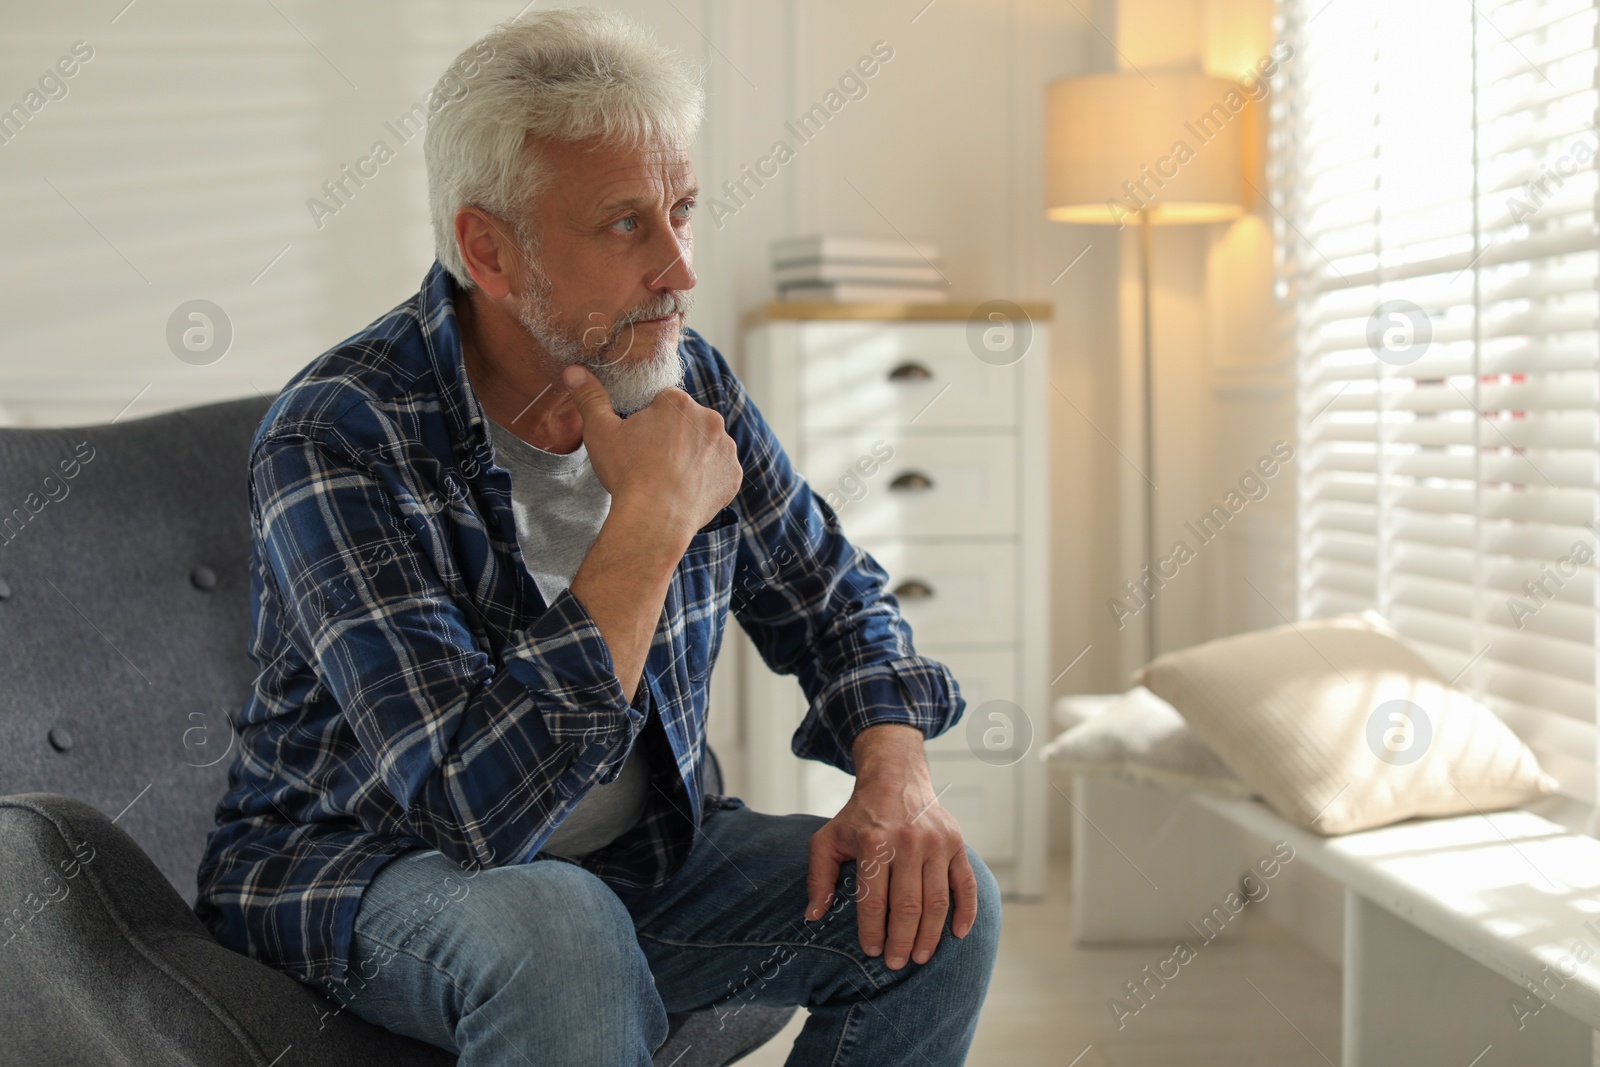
[(1434, 167)]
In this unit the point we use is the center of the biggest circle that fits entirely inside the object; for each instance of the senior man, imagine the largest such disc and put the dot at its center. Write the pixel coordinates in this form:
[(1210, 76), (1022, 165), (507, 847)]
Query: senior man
[(496, 538)]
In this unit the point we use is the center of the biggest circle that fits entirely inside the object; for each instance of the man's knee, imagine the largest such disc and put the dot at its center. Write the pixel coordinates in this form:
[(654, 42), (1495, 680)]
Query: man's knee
[(968, 962), (984, 937), (560, 943), (566, 913), (982, 941)]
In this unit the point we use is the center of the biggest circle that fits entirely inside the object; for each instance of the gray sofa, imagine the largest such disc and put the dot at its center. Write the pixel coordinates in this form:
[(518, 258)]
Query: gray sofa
[(124, 579)]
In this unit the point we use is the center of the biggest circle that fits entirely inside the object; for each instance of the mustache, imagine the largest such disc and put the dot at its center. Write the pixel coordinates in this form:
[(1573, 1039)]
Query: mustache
[(678, 302), (604, 348)]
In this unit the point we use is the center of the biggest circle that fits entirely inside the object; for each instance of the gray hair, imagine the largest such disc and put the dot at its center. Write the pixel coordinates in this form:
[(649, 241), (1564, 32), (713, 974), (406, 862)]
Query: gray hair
[(564, 75)]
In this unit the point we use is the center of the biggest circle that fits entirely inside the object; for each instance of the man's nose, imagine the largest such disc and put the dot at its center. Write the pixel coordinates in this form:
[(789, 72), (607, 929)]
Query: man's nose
[(678, 273)]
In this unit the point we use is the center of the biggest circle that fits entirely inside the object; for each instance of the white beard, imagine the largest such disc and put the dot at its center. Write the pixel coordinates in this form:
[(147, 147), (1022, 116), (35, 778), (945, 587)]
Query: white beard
[(631, 383)]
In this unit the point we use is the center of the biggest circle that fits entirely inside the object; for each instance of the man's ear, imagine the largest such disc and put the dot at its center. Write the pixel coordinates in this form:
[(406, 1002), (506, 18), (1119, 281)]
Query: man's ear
[(489, 250)]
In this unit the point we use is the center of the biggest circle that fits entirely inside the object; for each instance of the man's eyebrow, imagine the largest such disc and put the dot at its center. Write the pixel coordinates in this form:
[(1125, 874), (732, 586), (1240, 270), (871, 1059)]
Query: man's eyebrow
[(639, 201)]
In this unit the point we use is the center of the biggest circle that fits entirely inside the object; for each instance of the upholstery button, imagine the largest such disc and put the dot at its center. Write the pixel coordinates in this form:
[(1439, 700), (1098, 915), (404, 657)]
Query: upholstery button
[(5, 590), (60, 738), (203, 578)]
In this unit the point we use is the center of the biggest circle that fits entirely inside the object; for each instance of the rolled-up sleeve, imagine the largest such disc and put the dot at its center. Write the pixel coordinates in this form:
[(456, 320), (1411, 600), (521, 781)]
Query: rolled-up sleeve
[(485, 754), (816, 606)]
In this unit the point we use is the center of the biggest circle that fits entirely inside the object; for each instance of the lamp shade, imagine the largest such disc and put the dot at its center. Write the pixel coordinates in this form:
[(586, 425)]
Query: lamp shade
[(1168, 144)]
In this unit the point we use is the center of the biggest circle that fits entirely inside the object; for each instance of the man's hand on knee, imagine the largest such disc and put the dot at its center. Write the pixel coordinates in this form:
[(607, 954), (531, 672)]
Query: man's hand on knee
[(911, 863)]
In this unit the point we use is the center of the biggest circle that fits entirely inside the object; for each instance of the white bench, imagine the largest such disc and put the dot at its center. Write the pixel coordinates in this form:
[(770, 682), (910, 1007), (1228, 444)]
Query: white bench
[(1459, 934)]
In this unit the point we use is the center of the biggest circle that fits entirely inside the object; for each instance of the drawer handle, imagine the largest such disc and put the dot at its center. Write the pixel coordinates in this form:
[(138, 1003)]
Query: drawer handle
[(913, 589), (911, 372), (911, 481)]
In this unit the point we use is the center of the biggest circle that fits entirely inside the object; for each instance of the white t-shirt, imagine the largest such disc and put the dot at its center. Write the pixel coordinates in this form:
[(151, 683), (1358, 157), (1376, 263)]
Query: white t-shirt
[(559, 505)]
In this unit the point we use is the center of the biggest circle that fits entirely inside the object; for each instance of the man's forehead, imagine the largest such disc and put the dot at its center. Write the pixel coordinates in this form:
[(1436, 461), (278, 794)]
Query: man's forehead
[(602, 175)]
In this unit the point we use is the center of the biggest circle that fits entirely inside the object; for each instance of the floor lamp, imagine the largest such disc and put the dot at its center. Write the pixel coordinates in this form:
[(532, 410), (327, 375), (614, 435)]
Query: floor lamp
[(1149, 149)]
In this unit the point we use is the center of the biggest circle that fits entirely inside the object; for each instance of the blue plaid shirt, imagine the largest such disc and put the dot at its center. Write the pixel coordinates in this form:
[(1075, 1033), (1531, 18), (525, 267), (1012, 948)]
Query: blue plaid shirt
[(414, 689)]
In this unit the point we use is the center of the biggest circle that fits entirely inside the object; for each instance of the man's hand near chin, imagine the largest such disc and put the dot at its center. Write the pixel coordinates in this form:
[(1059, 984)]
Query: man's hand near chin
[(911, 864)]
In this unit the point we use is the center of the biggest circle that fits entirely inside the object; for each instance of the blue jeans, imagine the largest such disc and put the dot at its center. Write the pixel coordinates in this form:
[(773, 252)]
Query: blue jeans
[(543, 963)]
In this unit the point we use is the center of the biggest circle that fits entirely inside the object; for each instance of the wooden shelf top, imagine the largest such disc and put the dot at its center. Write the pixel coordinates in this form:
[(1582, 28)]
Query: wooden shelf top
[(890, 311)]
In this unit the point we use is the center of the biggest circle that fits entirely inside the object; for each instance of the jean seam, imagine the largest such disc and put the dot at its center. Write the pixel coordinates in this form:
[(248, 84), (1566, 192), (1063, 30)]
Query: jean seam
[(383, 943), (844, 1032), (400, 950), (866, 974), (415, 930)]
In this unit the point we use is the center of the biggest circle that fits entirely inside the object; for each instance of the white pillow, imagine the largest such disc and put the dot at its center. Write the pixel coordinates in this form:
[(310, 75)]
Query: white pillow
[(1341, 726), (1143, 738)]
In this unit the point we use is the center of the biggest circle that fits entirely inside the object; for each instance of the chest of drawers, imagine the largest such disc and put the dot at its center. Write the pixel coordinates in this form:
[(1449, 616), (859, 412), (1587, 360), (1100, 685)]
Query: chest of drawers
[(924, 427)]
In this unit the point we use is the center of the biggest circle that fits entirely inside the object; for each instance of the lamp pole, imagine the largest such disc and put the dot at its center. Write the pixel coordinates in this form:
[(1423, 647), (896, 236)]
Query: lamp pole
[(1149, 427), (1100, 129)]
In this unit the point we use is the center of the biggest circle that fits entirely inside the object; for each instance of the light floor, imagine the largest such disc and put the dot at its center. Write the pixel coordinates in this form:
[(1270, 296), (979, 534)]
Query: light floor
[(1260, 999)]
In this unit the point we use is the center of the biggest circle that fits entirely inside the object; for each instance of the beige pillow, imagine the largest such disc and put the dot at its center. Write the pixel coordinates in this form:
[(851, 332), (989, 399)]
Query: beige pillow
[(1341, 727)]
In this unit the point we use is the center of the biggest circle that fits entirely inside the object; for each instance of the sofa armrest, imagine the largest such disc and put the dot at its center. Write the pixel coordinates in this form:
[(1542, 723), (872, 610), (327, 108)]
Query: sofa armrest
[(101, 961)]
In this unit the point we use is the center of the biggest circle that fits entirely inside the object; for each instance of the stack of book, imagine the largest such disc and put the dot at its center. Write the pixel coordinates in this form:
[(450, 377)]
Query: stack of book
[(849, 269)]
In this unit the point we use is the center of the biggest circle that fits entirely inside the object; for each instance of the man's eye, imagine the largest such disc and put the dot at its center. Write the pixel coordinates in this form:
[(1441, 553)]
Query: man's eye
[(630, 219), (686, 207)]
